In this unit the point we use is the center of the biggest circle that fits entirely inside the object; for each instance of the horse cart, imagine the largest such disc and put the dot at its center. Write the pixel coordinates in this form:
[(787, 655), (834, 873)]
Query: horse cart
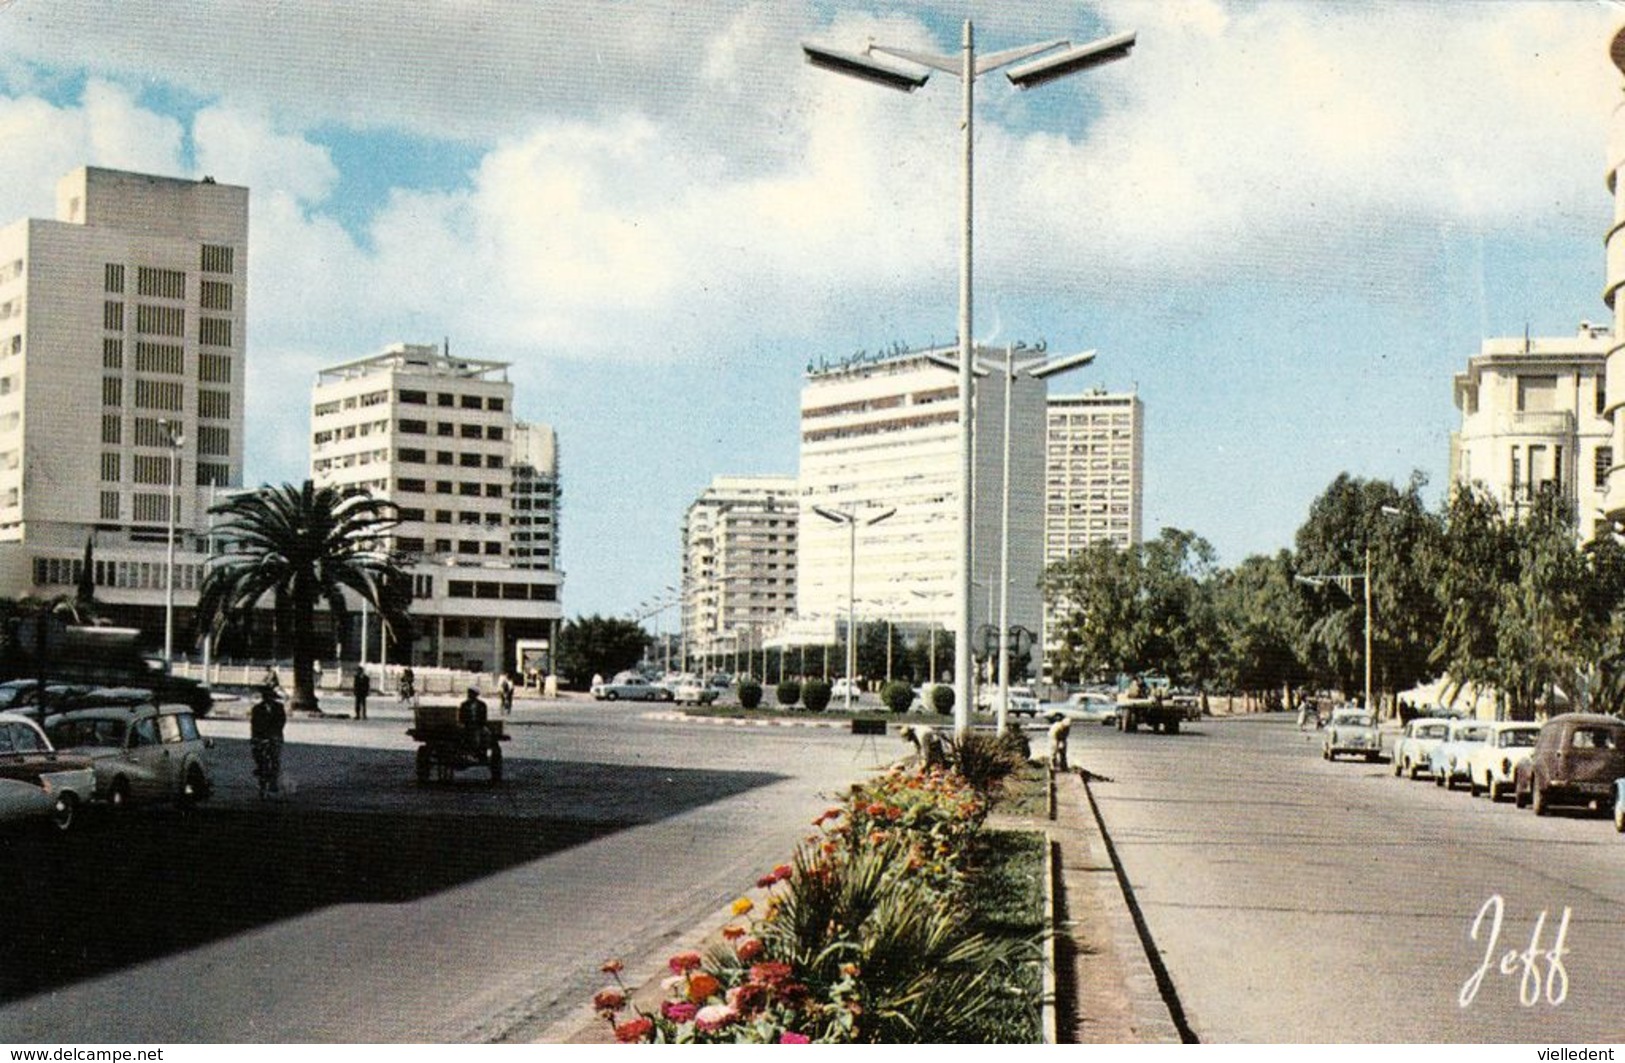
[(447, 745)]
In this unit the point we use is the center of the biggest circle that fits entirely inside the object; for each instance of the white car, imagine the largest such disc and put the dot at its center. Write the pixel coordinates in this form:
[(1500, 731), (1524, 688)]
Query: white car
[(1418, 740), (839, 688), (36, 780), (1449, 758), (142, 753), (692, 690), (1490, 766), (1086, 706), (1352, 732), (1023, 702)]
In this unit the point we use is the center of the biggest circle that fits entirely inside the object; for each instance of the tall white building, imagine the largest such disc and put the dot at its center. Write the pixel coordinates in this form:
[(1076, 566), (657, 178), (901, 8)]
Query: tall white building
[(121, 384), (1534, 414), (881, 434), (739, 564), (436, 435)]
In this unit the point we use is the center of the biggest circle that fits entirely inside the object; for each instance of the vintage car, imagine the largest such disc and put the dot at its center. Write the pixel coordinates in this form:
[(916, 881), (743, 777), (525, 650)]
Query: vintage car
[(1490, 767), (630, 686), (142, 753), (1023, 702), (35, 779), (1415, 742), (1448, 760), (1576, 759), (1352, 732), (691, 690), (1086, 706)]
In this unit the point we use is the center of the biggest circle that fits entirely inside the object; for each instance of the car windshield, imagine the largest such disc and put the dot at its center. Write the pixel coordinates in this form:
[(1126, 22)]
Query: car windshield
[(1517, 738), (1595, 738), (67, 734), (1472, 734), (1432, 730), (1354, 719)]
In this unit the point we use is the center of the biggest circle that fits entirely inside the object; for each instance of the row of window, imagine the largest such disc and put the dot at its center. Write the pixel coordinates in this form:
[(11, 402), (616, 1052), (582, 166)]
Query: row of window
[(132, 575), (443, 428), (447, 487), (415, 397), (467, 459), (154, 320), (164, 395)]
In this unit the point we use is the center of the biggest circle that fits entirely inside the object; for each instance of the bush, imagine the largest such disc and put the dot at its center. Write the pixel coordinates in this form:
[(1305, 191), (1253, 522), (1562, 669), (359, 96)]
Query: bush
[(789, 692), (750, 694), (942, 698), (897, 696), (815, 694), (984, 761), (1017, 744)]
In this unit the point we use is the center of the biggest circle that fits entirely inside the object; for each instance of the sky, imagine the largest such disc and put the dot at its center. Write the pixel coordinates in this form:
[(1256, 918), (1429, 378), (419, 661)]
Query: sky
[(1284, 225)]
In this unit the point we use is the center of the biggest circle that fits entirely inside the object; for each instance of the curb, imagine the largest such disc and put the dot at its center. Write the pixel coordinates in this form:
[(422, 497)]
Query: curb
[(735, 721)]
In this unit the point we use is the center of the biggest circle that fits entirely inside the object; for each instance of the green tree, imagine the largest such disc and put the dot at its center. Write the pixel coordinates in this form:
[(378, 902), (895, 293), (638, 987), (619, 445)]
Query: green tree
[(598, 645), (1092, 595), (1541, 625), (1475, 557), (304, 546), (1261, 620)]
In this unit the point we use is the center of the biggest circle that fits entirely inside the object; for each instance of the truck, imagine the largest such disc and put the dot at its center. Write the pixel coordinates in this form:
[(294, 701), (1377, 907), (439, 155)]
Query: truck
[(1152, 701), (92, 655)]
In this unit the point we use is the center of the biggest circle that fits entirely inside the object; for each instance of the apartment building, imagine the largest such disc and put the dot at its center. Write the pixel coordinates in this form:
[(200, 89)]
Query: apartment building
[(436, 435), (881, 434), (122, 324), (740, 539), (1535, 416)]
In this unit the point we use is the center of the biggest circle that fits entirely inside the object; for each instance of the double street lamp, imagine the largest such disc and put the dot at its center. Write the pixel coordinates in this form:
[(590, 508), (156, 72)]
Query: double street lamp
[(1345, 580), (850, 519), (1035, 64)]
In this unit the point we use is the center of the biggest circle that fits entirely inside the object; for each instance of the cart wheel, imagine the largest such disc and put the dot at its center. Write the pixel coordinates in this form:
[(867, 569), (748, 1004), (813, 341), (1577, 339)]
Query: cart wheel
[(425, 762), (496, 763)]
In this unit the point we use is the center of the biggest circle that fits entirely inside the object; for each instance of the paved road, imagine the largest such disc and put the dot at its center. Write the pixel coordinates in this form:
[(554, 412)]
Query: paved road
[(362, 907), (1296, 900)]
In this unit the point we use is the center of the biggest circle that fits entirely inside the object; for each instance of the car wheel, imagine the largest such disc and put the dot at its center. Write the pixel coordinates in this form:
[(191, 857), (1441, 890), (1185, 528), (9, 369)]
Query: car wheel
[(1438, 778), (118, 796), (1495, 789), (496, 763), (1520, 796), (62, 814), (1542, 803), (1619, 816), (425, 764), (194, 789), (610, 695), (1397, 767), (1473, 789), (1371, 758)]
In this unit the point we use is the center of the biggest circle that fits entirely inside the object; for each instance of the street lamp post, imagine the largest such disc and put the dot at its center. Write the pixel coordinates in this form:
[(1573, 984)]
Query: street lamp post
[(1035, 68), (1344, 580), (850, 519), (176, 440)]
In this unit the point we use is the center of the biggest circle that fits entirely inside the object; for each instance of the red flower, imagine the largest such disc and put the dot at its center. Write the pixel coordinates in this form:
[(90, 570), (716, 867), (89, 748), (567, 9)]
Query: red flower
[(747, 998), (771, 973), (609, 1001), (701, 987), (634, 1030), (782, 872), (733, 933), (748, 949), (766, 881), (683, 961)]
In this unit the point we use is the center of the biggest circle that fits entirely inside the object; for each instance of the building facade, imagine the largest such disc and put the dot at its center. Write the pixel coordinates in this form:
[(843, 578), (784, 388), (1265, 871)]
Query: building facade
[(122, 325), (881, 435), (1535, 416), (740, 540), (436, 435)]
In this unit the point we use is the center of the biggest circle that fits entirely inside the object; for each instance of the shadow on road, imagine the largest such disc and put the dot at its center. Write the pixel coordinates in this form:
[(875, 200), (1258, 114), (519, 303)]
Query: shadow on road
[(116, 892)]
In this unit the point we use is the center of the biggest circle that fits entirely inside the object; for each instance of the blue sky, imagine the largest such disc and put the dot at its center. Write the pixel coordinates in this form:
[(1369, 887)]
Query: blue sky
[(1285, 224)]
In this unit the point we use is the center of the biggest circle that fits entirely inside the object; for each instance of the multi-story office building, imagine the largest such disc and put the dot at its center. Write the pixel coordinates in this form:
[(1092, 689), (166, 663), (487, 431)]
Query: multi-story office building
[(1094, 456), (121, 385), (882, 434), (1534, 417), (436, 435), (739, 564), (1613, 496)]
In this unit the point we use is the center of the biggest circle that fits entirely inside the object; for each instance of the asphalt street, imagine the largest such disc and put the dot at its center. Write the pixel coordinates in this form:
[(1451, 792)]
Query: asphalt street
[(1296, 900), (361, 906)]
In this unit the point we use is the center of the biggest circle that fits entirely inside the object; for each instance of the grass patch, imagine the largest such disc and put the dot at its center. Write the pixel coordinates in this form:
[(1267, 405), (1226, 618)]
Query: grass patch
[(1025, 793), (1006, 901)]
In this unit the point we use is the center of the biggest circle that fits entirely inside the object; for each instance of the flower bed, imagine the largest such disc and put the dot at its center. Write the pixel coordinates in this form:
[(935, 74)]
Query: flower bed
[(885, 927)]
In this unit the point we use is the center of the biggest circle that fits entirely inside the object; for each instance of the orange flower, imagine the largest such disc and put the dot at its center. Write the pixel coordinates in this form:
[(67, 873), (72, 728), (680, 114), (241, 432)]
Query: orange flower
[(733, 933), (612, 967), (609, 1001), (701, 987), (634, 1030)]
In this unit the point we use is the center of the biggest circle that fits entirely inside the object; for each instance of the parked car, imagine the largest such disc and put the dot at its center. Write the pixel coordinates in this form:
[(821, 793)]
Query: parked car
[(1086, 706), (630, 686), (1448, 760), (1415, 743), (1619, 805), (1023, 702), (1491, 766), (1576, 759), (689, 690), (35, 779), (143, 753), (1352, 732), (838, 689)]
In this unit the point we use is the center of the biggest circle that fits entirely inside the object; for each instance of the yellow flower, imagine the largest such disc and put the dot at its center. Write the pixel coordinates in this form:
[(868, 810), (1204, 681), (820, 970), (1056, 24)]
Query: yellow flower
[(743, 905)]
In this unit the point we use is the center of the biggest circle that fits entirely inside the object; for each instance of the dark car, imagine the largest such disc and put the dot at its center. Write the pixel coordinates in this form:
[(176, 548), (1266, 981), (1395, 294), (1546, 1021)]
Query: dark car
[(1577, 757)]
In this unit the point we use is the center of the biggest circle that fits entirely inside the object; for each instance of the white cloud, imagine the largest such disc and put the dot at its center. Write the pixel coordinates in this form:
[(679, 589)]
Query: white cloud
[(245, 149)]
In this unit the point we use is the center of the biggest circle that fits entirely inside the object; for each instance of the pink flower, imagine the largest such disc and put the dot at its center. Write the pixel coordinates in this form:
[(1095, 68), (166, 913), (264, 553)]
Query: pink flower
[(714, 1017), (790, 1037), (683, 961), (678, 1011), (781, 872)]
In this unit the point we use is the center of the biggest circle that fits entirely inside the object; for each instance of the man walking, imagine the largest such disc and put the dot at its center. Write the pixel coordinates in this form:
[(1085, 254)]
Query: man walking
[(266, 721), (363, 687)]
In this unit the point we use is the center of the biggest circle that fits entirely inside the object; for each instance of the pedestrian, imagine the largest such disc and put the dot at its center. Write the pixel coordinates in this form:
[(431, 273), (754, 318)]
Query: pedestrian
[(270, 679), (408, 685), (363, 687), (505, 693), (927, 745), (266, 721), (471, 717), (1059, 733)]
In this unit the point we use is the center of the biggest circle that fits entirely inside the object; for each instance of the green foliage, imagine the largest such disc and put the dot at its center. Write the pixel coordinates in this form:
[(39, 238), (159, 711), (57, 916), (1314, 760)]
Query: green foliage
[(815, 694), (985, 760), (303, 546), (788, 692), (750, 694), (897, 696), (598, 645), (942, 698), (1015, 743)]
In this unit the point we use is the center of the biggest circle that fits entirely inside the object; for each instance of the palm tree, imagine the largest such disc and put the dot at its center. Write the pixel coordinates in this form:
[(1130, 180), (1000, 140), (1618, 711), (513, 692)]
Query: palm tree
[(303, 545)]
